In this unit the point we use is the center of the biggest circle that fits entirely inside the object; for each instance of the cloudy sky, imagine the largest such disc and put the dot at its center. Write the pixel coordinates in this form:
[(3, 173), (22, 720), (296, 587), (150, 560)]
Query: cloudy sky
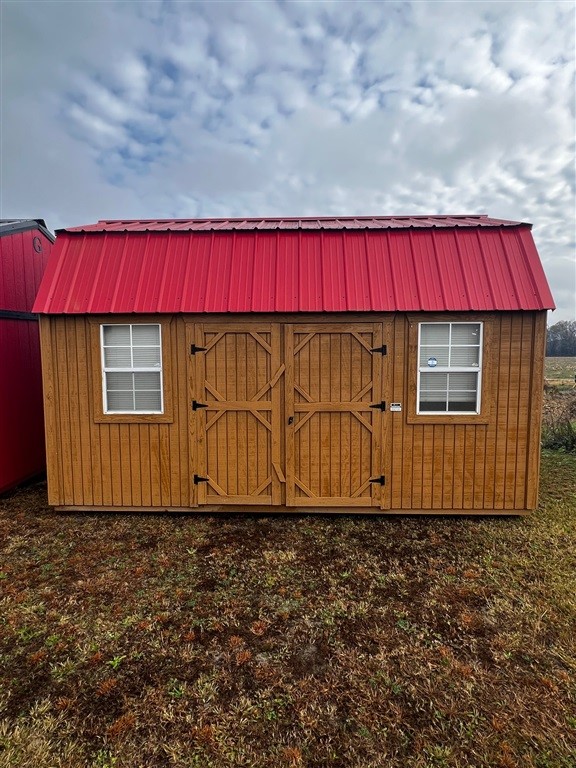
[(272, 107)]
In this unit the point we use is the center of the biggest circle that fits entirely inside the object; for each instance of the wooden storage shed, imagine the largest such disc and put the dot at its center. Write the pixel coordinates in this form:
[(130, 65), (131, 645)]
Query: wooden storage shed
[(375, 364), (25, 245)]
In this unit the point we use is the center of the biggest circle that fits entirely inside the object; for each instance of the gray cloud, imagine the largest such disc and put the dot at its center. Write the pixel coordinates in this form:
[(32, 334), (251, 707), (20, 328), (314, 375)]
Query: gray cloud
[(204, 109)]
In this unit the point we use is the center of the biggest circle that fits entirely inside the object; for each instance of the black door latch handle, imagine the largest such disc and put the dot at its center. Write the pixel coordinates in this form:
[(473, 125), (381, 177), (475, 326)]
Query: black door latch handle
[(290, 419)]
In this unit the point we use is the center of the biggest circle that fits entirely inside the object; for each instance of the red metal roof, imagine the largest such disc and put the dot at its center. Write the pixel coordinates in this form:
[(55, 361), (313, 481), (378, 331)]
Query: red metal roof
[(315, 222), (383, 264)]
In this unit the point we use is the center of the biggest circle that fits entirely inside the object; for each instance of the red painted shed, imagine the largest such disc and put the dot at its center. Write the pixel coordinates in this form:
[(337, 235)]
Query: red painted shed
[(25, 246), (372, 363)]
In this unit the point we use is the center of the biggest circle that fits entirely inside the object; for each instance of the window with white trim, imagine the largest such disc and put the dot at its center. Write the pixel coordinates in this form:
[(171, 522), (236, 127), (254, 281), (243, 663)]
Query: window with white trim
[(132, 368), (449, 367)]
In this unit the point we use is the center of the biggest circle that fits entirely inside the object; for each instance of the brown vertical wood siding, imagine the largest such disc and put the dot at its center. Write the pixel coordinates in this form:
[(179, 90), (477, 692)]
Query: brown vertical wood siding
[(110, 464), (431, 464), (469, 467)]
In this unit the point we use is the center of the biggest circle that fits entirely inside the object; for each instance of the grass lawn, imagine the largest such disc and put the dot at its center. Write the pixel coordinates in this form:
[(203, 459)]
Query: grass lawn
[(560, 370), (147, 641)]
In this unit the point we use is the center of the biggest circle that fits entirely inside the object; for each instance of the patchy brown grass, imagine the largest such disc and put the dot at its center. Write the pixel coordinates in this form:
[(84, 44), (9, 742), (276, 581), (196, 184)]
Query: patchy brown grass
[(148, 641)]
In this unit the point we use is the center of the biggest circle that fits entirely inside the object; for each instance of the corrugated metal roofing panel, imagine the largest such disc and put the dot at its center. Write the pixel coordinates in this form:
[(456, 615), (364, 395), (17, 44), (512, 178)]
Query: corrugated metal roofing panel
[(462, 266), (450, 269), (306, 223), (288, 266), (356, 276), (426, 269), (334, 269), (473, 269), (530, 255), (502, 289)]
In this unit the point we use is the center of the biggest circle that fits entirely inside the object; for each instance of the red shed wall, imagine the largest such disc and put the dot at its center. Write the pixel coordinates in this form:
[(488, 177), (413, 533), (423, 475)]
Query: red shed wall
[(22, 452)]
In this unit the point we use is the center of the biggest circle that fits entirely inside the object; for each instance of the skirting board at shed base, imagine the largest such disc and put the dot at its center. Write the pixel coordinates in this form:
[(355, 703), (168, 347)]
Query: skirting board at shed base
[(258, 510)]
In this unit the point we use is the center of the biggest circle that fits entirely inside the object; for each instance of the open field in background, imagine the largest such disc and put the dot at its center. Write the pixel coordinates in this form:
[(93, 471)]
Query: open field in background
[(151, 641), (560, 371), (559, 407)]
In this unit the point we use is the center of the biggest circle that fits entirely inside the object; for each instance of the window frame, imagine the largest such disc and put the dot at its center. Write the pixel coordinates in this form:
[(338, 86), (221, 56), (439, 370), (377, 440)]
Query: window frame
[(97, 384), (489, 359), (451, 369), (133, 369)]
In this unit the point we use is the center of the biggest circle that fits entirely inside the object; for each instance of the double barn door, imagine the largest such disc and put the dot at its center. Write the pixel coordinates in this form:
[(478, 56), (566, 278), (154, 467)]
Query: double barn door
[(287, 414)]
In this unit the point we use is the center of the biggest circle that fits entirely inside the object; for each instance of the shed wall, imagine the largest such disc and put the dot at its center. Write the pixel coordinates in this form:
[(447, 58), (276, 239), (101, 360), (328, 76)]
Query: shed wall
[(110, 464), (22, 452), (468, 466), (438, 464), (21, 268)]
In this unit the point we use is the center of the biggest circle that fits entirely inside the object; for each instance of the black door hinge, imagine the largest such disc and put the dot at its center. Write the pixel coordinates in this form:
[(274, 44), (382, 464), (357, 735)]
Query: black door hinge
[(198, 479), (381, 406), (382, 349), (380, 480), (194, 349), (196, 405)]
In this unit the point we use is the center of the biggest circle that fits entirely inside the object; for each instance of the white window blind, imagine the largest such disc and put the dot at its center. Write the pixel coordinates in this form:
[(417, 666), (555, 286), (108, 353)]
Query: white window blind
[(132, 368), (449, 367)]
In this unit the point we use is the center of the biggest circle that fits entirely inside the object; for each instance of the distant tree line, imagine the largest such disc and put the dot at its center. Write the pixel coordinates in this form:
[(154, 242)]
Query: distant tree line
[(561, 339)]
